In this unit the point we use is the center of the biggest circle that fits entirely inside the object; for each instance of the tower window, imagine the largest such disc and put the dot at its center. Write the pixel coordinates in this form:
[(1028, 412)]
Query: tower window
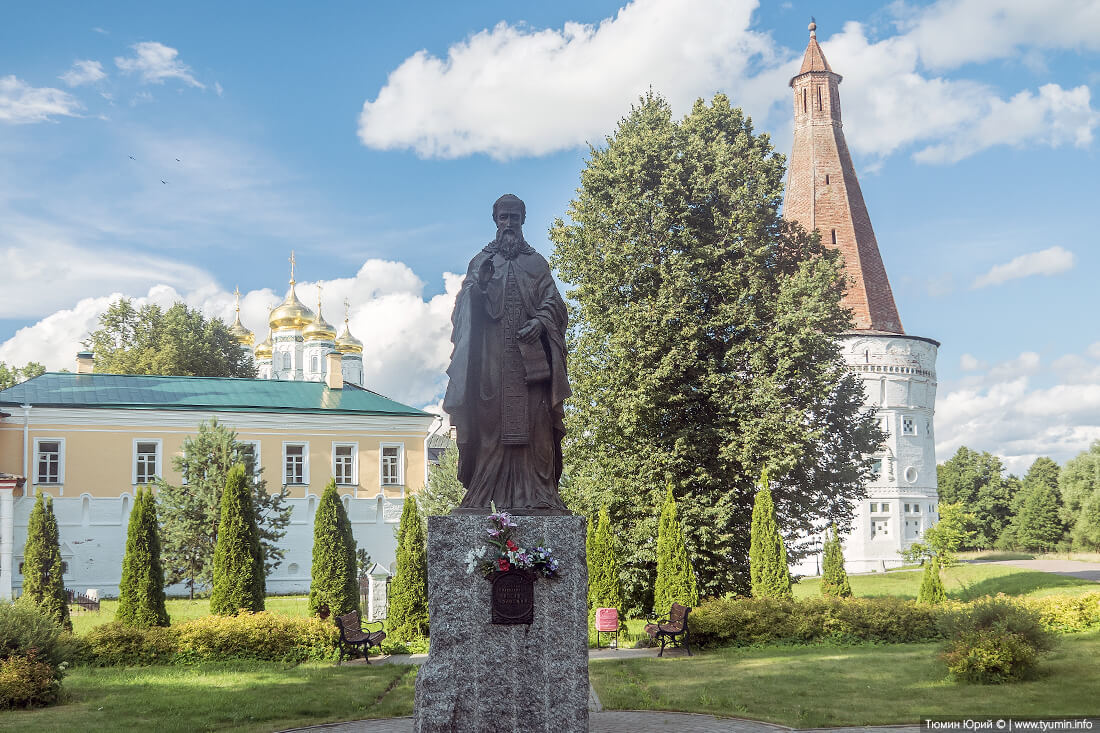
[(834, 236), (826, 179), (820, 106), (803, 100)]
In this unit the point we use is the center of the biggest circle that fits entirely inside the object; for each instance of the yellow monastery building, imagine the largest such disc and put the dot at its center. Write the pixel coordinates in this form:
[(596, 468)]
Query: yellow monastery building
[(89, 440)]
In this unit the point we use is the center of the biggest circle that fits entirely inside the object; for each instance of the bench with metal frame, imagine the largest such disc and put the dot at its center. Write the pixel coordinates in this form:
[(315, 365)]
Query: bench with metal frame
[(673, 629), (353, 634)]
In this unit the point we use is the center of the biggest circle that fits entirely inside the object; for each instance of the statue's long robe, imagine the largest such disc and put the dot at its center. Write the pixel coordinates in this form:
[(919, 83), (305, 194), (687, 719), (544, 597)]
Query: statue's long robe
[(493, 464)]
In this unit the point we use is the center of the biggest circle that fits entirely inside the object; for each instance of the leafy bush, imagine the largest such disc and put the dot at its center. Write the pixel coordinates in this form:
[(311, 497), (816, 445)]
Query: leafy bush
[(263, 636), (994, 640), (1067, 614), (27, 681), (749, 621), (118, 644), (24, 627)]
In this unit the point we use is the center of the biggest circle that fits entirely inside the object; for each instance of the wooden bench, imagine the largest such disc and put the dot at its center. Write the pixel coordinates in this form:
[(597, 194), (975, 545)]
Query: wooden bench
[(352, 634), (671, 630)]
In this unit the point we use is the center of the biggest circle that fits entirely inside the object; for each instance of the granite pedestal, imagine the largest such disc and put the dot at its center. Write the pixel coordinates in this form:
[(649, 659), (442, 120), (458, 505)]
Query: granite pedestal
[(481, 676)]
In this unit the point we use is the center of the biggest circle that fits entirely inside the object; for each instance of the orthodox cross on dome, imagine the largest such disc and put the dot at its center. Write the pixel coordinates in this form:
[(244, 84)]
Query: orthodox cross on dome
[(318, 301), (237, 292), (291, 267), (347, 310)]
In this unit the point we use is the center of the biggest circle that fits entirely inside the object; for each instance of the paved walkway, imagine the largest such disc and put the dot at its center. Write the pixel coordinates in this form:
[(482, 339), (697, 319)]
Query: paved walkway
[(1072, 568)]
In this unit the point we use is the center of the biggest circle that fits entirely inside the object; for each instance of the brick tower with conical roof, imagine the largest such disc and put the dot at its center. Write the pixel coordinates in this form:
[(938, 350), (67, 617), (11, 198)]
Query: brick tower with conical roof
[(898, 370)]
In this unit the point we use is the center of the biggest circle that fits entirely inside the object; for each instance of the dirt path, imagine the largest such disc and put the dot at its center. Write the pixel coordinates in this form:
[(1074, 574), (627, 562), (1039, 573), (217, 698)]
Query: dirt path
[(1071, 568)]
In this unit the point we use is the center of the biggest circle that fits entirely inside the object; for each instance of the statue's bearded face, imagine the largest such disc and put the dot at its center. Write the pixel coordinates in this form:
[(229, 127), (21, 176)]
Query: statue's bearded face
[(509, 220)]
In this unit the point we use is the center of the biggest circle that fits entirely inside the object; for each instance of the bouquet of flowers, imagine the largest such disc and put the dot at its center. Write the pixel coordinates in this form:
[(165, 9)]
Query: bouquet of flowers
[(503, 553)]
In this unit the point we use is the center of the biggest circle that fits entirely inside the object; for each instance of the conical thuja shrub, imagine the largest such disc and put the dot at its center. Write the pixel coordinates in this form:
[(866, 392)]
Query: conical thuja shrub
[(771, 578), (43, 584), (334, 581), (675, 576), (239, 582), (834, 579), (141, 590)]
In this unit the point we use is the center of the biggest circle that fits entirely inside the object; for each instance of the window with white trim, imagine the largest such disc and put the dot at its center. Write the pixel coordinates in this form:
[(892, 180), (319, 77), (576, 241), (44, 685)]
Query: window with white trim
[(315, 363), (294, 463), (874, 507), (876, 468), (146, 461), (49, 460), (880, 528), (345, 457), (908, 425), (393, 460)]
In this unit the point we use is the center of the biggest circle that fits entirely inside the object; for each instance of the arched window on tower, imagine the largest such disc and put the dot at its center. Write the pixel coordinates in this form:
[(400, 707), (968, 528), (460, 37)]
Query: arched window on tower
[(315, 363), (804, 100), (820, 105), (834, 236), (286, 360)]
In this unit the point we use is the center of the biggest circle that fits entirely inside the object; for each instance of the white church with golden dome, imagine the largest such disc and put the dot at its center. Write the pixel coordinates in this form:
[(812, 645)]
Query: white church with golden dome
[(301, 345)]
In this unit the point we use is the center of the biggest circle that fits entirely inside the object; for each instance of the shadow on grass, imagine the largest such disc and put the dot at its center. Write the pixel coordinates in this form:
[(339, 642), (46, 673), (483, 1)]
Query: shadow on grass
[(1022, 582)]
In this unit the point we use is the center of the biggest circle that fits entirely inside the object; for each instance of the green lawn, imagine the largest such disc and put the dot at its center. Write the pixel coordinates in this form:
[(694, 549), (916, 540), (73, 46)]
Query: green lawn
[(244, 696), (821, 686), (182, 609), (963, 582)]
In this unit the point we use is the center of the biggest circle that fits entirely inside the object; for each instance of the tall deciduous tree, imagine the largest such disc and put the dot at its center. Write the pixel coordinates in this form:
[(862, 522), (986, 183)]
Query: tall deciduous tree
[(239, 580), (976, 480), (444, 491), (1079, 484), (943, 540), (43, 583), (190, 513), (407, 616), (13, 375), (178, 341), (141, 590), (1037, 524), (834, 578), (334, 581), (675, 576), (771, 578), (703, 344)]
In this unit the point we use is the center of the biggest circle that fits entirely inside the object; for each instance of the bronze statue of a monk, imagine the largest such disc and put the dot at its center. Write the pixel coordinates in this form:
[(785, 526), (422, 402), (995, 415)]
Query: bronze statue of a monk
[(507, 375)]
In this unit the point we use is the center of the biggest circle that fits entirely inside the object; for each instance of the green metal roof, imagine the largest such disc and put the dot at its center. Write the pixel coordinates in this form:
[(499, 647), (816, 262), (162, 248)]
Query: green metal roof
[(131, 391)]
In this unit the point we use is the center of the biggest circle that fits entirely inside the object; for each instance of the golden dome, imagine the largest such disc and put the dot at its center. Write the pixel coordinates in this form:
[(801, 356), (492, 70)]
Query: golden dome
[(265, 347), (348, 344), (291, 313), (319, 329), (237, 330)]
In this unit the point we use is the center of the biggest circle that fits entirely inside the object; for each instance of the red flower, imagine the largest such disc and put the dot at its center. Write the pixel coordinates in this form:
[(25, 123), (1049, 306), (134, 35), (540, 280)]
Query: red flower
[(511, 545), (502, 563)]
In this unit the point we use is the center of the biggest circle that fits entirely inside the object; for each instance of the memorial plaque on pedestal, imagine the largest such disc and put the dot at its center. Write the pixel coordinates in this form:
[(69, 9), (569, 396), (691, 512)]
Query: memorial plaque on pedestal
[(513, 599)]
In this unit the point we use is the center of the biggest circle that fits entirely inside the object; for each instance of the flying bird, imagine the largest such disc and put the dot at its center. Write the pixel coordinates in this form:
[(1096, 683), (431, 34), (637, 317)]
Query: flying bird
[(177, 160), (132, 158), (164, 182)]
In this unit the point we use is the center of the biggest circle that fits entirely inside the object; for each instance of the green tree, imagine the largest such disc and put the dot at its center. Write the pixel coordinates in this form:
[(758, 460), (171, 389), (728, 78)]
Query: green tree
[(1037, 523), (178, 341), (239, 582), (944, 539), (190, 513), (11, 376), (43, 584), (702, 344), (590, 554), (977, 481), (1079, 485), (771, 578), (675, 576), (931, 584), (444, 491), (834, 579), (604, 586), (334, 581), (141, 590), (407, 616)]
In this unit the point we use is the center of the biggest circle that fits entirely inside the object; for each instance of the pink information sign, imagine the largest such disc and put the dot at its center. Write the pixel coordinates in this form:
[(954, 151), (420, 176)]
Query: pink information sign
[(607, 619)]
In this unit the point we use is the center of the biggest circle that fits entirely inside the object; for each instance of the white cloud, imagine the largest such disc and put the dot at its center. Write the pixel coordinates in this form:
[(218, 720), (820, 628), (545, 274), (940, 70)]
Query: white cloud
[(406, 336), (218, 89), (156, 63), (83, 72), (1019, 410), (22, 103), (514, 91), (970, 363), (1050, 261)]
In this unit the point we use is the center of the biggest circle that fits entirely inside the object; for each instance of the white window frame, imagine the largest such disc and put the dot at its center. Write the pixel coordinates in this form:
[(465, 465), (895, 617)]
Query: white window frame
[(354, 463), (877, 466), (315, 364), (875, 524), (60, 461), (158, 456), (400, 464), (255, 452), (305, 462), (912, 421)]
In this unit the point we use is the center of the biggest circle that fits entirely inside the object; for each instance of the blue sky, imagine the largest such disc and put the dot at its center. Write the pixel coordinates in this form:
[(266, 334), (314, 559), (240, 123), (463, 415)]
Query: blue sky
[(372, 139)]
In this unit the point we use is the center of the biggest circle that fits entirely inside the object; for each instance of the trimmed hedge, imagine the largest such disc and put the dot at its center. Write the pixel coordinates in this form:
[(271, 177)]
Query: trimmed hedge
[(254, 636), (757, 621)]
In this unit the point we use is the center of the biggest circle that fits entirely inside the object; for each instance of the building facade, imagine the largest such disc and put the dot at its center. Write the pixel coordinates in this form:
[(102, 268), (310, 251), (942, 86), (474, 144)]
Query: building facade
[(898, 369), (89, 440)]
